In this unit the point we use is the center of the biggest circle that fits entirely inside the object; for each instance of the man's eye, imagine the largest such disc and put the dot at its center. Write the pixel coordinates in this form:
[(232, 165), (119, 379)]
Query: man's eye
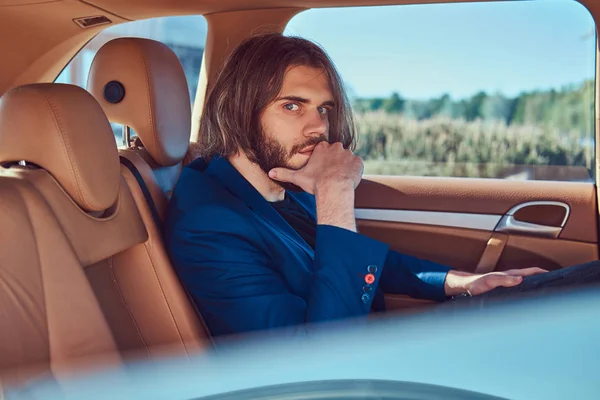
[(323, 110), (291, 107)]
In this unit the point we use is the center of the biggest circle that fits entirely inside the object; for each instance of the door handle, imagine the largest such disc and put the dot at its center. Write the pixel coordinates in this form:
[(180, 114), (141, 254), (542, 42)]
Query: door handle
[(509, 223)]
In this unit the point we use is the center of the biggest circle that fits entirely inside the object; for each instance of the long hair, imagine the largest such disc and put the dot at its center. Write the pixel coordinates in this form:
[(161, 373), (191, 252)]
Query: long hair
[(250, 80)]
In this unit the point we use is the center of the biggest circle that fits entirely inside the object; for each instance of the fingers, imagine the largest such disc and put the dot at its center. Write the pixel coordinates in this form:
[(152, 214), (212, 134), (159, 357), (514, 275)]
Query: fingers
[(283, 175), (525, 271), (325, 145), (504, 280), (508, 278)]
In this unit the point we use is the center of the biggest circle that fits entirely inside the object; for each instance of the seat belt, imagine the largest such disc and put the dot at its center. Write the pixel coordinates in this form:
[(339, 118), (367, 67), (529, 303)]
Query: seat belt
[(145, 191), (150, 202)]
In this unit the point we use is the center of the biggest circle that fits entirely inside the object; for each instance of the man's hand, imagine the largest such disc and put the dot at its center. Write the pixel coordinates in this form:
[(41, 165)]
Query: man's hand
[(330, 165), (331, 174), (458, 282)]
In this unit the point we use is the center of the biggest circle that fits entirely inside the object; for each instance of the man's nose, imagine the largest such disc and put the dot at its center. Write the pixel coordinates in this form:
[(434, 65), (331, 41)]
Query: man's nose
[(317, 124)]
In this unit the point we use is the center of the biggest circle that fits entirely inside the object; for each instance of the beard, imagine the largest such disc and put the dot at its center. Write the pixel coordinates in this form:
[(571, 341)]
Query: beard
[(269, 154)]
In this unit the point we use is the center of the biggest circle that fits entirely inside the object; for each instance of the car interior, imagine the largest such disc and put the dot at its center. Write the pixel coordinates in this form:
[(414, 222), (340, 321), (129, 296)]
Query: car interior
[(85, 279)]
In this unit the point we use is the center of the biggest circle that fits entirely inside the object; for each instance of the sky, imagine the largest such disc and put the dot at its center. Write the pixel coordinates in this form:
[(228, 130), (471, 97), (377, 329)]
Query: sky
[(189, 30), (424, 51)]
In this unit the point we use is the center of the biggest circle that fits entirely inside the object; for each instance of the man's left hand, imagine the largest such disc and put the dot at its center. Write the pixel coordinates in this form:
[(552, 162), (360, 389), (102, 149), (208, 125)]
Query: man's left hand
[(458, 282)]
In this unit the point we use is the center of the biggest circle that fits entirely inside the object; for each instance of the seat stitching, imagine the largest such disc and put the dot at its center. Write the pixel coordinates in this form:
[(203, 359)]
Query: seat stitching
[(114, 278), (117, 205), (41, 269), (148, 253), (150, 102), (72, 164), (146, 247)]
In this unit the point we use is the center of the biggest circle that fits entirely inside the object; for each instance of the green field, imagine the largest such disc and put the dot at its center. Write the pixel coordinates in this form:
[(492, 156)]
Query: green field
[(545, 129)]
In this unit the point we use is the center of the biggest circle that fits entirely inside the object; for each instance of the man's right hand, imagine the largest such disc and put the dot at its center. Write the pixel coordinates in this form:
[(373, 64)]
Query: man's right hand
[(331, 174), (329, 165)]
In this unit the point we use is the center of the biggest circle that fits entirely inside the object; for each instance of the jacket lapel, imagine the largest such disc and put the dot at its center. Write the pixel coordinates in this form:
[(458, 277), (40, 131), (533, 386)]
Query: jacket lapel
[(234, 182)]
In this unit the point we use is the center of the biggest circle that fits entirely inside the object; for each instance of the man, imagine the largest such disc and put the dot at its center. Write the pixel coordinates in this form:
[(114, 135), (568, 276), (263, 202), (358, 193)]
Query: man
[(261, 229)]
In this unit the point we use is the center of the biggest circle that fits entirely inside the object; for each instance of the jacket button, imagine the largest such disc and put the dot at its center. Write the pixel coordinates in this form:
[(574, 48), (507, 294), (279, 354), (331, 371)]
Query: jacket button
[(367, 288), (369, 278), (365, 298), (372, 269)]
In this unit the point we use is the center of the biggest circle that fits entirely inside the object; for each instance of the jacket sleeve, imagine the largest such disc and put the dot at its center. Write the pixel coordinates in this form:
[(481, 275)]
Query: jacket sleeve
[(404, 274), (232, 279)]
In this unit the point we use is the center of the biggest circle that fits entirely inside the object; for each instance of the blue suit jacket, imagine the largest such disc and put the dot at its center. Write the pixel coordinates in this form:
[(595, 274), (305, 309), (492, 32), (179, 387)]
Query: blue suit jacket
[(247, 269)]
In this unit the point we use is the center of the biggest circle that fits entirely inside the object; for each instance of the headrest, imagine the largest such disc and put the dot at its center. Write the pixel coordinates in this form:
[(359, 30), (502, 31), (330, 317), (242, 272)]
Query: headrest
[(141, 83), (62, 129)]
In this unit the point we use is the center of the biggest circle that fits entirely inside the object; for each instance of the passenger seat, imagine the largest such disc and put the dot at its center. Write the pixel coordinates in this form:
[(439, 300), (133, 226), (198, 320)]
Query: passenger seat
[(140, 83), (51, 324), (151, 97), (96, 203)]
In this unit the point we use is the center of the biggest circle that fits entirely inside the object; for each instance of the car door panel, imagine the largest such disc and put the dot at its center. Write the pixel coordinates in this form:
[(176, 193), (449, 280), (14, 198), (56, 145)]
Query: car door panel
[(481, 197), (480, 225)]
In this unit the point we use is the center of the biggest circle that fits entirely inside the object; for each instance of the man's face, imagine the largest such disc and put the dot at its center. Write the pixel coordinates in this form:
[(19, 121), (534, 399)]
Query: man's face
[(296, 121)]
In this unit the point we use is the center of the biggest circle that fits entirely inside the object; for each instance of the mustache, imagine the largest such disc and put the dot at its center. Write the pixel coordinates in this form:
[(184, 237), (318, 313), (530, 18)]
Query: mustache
[(310, 142)]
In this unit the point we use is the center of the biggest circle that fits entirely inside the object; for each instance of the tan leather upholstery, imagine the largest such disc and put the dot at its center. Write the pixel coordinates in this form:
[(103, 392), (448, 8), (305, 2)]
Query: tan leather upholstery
[(118, 248), (49, 319), (480, 250), (34, 129), (439, 244), (94, 237), (155, 282), (156, 103), (486, 196), (161, 73)]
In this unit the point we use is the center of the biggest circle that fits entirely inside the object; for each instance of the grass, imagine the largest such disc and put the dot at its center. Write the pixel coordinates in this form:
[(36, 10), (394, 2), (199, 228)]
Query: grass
[(392, 145)]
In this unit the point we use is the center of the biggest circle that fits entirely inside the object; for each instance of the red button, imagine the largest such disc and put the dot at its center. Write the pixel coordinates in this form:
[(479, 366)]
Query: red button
[(369, 278)]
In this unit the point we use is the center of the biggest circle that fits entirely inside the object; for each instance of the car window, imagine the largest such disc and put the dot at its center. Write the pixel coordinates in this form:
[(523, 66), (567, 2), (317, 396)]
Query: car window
[(185, 35), (488, 90)]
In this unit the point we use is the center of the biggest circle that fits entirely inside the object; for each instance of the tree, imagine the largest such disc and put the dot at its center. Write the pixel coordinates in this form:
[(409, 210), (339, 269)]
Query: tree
[(394, 104), (496, 108), (474, 106), (376, 104)]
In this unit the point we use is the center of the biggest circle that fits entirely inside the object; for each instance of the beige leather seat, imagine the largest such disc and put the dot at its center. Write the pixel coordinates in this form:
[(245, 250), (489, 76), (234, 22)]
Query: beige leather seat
[(96, 203), (151, 97), (140, 83), (50, 320)]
